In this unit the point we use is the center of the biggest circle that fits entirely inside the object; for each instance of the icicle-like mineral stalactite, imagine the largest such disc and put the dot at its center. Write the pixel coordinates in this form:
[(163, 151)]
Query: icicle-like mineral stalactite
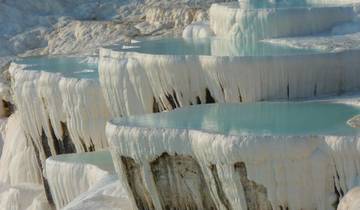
[(23, 196), (69, 178), (139, 83), (60, 115), (136, 83), (18, 161), (247, 23)]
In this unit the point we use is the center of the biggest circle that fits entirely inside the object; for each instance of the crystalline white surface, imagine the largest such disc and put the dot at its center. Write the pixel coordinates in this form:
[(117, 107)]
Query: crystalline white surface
[(135, 83), (107, 194), (335, 43), (18, 161), (297, 171), (72, 174), (20, 178), (23, 197), (253, 21), (351, 200), (46, 100), (197, 30)]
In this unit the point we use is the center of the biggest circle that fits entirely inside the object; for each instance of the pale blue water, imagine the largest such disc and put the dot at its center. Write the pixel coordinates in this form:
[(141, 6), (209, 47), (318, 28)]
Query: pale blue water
[(77, 67), (266, 118), (210, 46), (282, 4), (100, 158)]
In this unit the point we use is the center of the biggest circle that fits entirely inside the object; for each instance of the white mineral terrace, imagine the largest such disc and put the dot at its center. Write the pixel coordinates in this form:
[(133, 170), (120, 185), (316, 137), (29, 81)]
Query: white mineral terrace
[(136, 83), (201, 158), (72, 174), (254, 20), (61, 99), (69, 112), (248, 156), (57, 113), (164, 74)]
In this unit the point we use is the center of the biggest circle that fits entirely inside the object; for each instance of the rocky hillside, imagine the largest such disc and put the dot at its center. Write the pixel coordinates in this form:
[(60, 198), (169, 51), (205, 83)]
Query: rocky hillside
[(80, 27)]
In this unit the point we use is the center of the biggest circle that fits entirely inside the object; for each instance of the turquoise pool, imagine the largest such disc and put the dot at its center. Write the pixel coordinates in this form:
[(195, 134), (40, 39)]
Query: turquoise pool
[(278, 4), (264, 118), (209, 46), (77, 67)]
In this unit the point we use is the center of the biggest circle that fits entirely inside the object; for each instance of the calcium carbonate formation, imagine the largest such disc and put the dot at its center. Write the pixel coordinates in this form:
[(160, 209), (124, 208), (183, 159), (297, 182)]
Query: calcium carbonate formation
[(234, 163), (70, 175), (162, 82), (56, 115), (351, 200), (248, 24), (68, 113), (155, 82), (185, 168), (191, 169)]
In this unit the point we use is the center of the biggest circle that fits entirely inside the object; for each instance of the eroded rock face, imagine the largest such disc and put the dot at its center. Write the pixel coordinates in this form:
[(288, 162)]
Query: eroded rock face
[(255, 194), (135, 181), (219, 188), (180, 183)]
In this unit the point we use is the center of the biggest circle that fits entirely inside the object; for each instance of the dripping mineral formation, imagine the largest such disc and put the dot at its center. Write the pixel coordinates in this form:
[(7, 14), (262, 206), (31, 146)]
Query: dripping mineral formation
[(212, 159), (124, 61)]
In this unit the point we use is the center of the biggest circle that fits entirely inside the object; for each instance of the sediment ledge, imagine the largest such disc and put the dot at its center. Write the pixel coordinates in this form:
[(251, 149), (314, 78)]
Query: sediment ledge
[(165, 167), (72, 174)]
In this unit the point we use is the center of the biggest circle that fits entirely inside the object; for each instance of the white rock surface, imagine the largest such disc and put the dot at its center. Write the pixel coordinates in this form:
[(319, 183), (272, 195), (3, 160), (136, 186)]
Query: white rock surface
[(55, 115), (327, 43), (48, 102), (83, 37), (3, 122), (53, 27), (197, 31), (26, 25), (351, 200), (68, 178), (107, 194), (20, 177), (297, 172), (23, 197), (18, 161), (250, 25), (136, 83)]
